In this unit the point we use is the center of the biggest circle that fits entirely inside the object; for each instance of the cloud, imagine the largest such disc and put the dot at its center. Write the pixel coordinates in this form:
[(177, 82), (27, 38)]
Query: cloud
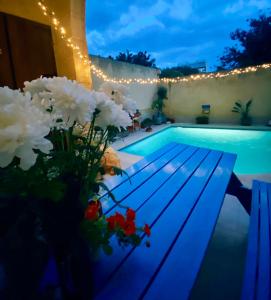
[(173, 31), (260, 4), (137, 19), (234, 8), (241, 5), (181, 9), (95, 40), (183, 54)]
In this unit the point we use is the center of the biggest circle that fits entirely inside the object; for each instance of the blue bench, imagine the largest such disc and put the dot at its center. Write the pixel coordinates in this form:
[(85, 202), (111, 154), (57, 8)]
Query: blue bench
[(179, 191), (257, 282)]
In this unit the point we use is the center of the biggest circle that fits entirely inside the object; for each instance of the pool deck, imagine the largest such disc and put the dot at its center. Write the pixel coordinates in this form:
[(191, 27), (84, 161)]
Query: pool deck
[(221, 274)]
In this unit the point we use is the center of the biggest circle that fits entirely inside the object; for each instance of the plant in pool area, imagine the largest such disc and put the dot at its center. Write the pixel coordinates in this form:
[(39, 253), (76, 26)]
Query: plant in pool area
[(202, 119), (146, 124), (53, 136), (243, 110), (158, 105)]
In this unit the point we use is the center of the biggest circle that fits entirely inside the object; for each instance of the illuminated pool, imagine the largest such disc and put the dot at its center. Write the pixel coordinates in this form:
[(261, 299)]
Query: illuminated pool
[(253, 147)]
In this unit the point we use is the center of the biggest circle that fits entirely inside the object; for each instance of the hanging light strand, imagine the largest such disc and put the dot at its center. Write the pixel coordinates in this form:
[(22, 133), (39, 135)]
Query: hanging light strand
[(61, 30)]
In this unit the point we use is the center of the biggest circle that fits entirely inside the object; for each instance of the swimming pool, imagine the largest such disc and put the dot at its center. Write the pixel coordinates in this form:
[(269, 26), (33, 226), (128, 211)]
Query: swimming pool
[(253, 147)]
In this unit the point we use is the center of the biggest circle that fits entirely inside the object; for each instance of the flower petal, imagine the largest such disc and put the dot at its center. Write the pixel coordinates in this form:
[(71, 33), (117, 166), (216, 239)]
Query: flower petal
[(5, 159)]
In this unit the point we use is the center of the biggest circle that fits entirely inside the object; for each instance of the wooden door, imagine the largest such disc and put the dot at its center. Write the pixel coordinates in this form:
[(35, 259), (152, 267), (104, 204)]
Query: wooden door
[(6, 71), (30, 49)]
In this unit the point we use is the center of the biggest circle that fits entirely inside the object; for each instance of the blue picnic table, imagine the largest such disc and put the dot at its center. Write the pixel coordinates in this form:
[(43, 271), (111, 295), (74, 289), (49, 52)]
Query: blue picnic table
[(178, 190)]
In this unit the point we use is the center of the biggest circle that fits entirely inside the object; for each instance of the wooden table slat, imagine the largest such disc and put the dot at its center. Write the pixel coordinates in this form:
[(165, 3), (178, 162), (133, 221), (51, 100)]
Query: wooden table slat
[(249, 285), (127, 187), (115, 181), (192, 242), (263, 288)]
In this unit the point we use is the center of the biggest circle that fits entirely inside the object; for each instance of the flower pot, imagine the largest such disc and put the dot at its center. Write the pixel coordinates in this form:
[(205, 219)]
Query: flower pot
[(202, 120), (159, 119), (246, 121)]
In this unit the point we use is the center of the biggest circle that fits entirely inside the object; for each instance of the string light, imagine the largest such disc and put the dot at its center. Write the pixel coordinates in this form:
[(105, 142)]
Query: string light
[(100, 74)]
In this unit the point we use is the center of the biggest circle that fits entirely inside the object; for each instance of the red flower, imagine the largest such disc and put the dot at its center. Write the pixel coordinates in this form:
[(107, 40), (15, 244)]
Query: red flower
[(130, 214), (111, 222), (147, 229), (129, 227), (115, 220), (92, 211), (120, 220)]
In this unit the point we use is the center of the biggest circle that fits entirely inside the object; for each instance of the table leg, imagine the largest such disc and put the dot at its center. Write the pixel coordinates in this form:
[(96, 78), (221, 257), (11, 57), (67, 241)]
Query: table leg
[(243, 194)]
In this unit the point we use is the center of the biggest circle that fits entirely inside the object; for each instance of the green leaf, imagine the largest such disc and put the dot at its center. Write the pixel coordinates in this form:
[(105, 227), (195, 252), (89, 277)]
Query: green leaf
[(111, 195), (119, 171), (238, 104), (136, 240), (248, 104), (104, 186)]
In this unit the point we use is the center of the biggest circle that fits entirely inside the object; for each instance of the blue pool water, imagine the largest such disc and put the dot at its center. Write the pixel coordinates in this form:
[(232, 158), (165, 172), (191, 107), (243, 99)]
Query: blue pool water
[(253, 148)]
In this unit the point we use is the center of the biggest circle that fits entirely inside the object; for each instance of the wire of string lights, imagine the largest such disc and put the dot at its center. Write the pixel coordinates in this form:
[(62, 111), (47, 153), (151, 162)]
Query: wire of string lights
[(61, 30)]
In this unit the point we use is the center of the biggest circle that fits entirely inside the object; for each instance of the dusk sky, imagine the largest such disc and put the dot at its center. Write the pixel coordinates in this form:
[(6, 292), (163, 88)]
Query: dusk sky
[(174, 32)]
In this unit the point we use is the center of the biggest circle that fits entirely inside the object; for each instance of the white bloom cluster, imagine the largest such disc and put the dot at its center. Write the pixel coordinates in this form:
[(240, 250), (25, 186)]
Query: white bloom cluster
[(23, 128), (26, 118), (119, 94), (65, 99), (110, 113)]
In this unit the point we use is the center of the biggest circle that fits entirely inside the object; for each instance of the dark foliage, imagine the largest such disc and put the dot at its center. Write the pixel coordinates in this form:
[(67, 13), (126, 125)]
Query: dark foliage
[(178, 71), (158, 104), (146, 123), (140, 58), (253, 45)]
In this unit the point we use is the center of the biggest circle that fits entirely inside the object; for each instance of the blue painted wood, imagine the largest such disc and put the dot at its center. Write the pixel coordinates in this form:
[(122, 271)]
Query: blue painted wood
[(124, 190), (252, 249), (153, 205), (263, 291), (115, 181), (257, 283), (180, 197), (180, 267), (172, 216)]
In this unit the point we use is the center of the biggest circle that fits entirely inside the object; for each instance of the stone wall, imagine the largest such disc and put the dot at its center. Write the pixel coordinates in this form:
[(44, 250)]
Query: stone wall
[(185, 99)]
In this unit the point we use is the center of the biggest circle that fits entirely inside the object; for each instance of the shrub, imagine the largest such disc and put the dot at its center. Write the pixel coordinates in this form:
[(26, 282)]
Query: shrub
[(243, 110), (146, 123)]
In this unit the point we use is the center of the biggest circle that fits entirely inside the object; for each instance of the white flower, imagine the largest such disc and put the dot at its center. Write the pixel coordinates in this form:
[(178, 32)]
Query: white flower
[(130, 106), (65, 99), (22, 129), (37, 86), (120, 95), (110, 113)]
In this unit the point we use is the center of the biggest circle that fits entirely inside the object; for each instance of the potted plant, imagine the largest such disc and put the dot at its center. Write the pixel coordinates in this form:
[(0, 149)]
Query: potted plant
[(202, 119), (53, 136), (158, 106), (243, 110), (146, 124)]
